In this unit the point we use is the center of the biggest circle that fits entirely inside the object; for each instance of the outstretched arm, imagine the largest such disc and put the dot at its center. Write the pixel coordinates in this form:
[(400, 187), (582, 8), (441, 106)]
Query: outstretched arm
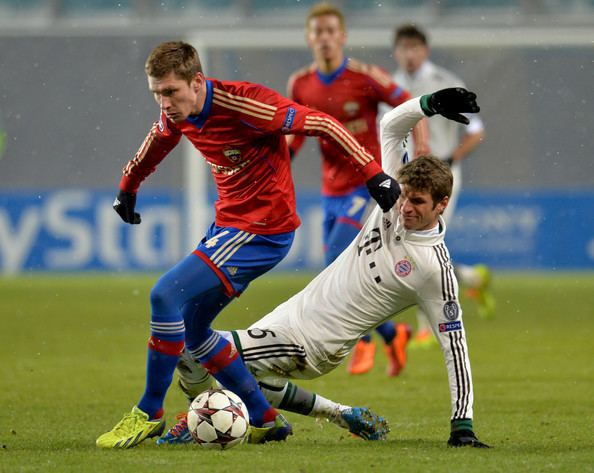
[(439, 300), (397, 123), (160, 140)]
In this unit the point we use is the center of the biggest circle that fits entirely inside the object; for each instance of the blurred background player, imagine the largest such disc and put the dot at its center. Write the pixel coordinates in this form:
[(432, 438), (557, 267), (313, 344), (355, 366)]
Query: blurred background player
[(238, 128), (449, 141), (351, 92)]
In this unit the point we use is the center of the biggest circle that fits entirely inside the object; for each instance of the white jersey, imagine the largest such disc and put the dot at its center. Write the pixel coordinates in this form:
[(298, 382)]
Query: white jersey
[(385, 270), (443, 133)]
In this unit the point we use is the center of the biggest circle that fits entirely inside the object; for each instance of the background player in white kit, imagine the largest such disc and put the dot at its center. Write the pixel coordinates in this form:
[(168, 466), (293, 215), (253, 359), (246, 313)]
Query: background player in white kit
[(399, 259), (448, 141)]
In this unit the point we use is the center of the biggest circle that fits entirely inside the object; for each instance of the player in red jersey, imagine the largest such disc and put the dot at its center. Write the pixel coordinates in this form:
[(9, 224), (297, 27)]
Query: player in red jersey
[(351, 92), (238, 127)]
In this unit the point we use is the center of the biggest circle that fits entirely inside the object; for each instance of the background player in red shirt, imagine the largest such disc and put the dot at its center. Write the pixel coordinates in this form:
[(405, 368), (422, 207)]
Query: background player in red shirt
[(238, 127), (351, 92)]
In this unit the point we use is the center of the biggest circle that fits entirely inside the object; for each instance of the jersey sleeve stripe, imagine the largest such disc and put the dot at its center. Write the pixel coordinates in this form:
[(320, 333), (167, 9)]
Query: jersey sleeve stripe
[(462, 376), (348, 137), (242, 110), (447, 278), (247, 106), (338, 139), (246, 101), (466, 399), (141, 153), (347, 142)]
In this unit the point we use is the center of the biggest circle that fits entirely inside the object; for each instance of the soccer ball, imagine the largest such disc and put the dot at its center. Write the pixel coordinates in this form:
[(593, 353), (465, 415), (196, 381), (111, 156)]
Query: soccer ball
[(218, 419)]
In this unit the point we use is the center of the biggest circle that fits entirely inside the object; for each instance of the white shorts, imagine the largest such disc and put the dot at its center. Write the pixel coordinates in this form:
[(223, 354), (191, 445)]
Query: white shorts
[(277, 353)]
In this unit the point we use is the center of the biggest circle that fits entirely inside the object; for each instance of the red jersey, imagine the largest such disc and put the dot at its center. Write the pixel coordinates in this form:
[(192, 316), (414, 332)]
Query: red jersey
[(240, 135), (351, 94)]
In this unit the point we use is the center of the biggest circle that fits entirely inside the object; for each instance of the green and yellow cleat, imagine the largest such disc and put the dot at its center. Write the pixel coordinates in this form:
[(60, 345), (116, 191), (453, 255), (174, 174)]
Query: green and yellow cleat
[(134, 427), (275, 433)]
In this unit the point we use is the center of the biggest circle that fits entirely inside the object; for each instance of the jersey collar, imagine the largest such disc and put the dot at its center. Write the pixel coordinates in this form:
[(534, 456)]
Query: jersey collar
[(331, 77), (199, 120), (420, 238)]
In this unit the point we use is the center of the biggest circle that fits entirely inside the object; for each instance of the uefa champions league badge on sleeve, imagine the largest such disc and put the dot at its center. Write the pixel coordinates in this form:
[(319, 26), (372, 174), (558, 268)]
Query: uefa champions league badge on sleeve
[(403, 268), (450, 310)]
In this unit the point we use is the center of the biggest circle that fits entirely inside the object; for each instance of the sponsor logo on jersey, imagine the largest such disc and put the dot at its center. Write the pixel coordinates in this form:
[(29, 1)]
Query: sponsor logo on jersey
[(450, 326), (233, 155), (403, 268), (289, 119), (450, 310), (371, 242), (351, 108), (232, 270)]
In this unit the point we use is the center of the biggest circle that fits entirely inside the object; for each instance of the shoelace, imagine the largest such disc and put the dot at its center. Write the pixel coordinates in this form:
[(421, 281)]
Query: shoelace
[(128, 423), (181, 425)]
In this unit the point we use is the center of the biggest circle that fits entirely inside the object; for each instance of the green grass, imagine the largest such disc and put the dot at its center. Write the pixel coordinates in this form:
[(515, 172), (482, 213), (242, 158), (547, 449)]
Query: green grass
[(72, 353)]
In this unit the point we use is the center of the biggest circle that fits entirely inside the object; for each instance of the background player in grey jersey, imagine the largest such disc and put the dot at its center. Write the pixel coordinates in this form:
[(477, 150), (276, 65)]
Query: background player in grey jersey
[(449, 141), (399, 259)]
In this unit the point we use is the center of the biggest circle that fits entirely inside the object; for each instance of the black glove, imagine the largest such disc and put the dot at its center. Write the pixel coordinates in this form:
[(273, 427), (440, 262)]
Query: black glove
[(384, 190), (124, 205), (465, 438), (450, 103)]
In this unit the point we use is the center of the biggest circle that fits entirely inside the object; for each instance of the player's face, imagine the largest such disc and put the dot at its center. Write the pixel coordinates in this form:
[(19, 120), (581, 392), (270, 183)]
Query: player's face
[(176, 98), (326, 37), (417, 210), (410, 53)]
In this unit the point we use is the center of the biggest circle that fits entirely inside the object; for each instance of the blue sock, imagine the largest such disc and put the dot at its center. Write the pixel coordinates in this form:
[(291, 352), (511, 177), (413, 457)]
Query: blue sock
[(387, 332), (161, 361), (366, 338), (217, 356)]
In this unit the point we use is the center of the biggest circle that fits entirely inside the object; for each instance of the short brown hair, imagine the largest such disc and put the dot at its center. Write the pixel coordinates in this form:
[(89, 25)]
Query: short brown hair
[(325, 8), (409, 31), (173, 56), (428, 174)]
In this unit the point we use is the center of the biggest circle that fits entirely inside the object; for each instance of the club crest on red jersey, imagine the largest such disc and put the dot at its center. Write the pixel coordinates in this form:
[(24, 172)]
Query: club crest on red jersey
[(403, 268), (233, 155)]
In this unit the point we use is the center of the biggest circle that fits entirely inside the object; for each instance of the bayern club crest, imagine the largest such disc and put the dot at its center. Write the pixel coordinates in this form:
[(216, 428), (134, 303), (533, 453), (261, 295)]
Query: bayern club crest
[(403, 268)]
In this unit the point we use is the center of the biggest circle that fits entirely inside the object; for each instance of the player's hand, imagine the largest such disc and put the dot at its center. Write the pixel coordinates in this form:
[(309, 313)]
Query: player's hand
[(465, 438), (450, 103), (124, 205), (384, 190)]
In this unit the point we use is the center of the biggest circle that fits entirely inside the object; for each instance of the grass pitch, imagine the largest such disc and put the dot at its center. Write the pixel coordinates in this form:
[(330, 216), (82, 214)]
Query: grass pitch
[(72, 352)]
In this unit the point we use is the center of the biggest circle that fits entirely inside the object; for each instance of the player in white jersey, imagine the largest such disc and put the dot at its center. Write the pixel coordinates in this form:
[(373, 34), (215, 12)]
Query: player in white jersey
[(398, 260), (449, 141)]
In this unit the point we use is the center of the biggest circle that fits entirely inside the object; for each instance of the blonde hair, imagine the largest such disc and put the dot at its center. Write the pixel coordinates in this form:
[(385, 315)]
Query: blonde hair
[(325, 8)]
